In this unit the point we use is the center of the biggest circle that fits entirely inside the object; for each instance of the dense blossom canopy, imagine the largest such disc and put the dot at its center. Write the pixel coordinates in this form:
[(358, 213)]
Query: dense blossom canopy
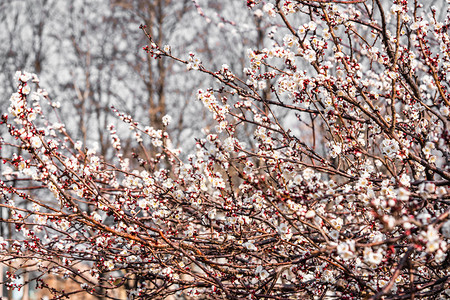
[(341, 193)]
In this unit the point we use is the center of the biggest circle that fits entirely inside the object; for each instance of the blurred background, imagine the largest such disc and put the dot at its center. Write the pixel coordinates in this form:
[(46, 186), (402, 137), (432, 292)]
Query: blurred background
[(88, 55)]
